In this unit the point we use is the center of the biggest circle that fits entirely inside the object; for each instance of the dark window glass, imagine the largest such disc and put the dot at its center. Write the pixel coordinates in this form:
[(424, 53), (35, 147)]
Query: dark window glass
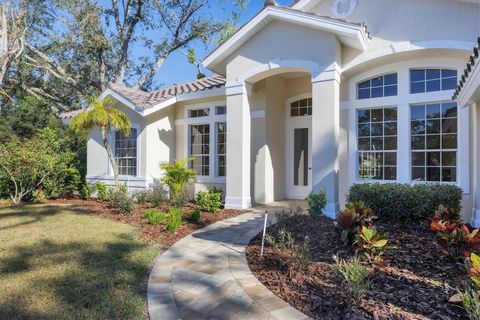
[(381, 86), (431, 80)]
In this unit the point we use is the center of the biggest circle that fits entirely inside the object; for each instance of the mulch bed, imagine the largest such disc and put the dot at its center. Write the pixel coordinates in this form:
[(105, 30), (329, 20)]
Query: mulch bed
[(415, 281), (149, 232)]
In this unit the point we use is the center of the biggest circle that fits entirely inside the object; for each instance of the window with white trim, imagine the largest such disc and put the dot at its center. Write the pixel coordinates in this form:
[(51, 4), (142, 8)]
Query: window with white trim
[(431, 80), (381, 86), (207, 133), (126, 153), (434, 142), (200, 148), (301, 108), (221, 133), (377, 144)]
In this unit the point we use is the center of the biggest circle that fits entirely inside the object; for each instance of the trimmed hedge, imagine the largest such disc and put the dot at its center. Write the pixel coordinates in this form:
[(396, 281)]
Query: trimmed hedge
[(395, 201)]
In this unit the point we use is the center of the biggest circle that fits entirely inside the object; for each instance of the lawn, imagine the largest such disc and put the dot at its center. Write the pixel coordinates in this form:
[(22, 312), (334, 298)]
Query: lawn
[(56, 263)]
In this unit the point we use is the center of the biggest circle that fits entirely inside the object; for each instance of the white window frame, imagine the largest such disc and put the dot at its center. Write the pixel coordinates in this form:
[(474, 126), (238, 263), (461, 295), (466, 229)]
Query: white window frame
[(371, 87), (360, 180), (211, 120), (111, 140), (403, 101)]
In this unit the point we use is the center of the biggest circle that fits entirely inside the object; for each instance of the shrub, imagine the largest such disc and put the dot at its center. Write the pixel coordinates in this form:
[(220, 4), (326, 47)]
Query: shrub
[(471, 303), (174, 219), (154, 216), (209, 201), (458, 241), (123, 202), (355, 277), (177, 176), (300, 254), (101, 189), (141, 196), (38, 196), (86, 192), (474, 269), (394, 201), (354, 216), (157, 194), (281, 239), (195, 215), (373, 244), (180, 200), (316, 203)]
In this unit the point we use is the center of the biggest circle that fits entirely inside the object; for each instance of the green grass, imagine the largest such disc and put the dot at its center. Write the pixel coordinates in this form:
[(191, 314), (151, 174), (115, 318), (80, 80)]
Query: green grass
[(58, 264)]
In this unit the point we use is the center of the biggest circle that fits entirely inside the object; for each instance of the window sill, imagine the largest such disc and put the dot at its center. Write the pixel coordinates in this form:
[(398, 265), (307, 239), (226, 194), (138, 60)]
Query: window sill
[(208, 179)]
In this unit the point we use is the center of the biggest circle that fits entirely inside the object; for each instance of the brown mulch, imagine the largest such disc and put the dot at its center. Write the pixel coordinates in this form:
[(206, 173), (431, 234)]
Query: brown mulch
[(414, 282), (149, 232)]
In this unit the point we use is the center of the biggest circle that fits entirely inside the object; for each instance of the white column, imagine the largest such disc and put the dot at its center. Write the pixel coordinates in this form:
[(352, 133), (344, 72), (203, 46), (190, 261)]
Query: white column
[(475, 134), (325, 138), (238, 146), (403, 143)]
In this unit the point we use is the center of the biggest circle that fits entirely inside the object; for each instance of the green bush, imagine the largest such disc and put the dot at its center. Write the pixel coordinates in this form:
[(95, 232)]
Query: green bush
[(157, 194), (209, 201), (123, 202), (395, 201), (101, 189), (154, 216), (195, 215), (38, 196), (141, 196), (86, 192), (316, 203), (174, 219)]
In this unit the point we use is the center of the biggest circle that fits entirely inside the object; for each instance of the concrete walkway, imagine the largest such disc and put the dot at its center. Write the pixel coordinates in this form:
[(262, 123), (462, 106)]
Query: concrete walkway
[(205, 276)]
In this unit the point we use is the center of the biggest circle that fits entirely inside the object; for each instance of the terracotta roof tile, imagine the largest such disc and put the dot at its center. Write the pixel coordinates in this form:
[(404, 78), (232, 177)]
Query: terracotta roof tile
[(472, 61)]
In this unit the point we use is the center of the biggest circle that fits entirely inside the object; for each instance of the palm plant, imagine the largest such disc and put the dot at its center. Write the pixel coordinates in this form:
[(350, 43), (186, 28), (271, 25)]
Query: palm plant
[(103, 115), (177, 175)]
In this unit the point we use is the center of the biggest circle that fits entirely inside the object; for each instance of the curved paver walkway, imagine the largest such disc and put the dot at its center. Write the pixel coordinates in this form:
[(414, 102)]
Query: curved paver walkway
[(205, 276)]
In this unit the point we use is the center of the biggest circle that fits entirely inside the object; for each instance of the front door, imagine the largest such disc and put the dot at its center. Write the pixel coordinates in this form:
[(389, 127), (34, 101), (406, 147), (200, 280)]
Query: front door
[(298, 157)]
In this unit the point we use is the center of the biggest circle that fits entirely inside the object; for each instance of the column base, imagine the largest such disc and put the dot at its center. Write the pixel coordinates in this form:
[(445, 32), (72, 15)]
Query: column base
[(475, 218), (238, 202), (332, 209)]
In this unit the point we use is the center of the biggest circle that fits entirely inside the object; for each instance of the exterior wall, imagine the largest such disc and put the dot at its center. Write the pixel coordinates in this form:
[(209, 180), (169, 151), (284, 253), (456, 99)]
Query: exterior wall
[(319, 47), (393, 21)]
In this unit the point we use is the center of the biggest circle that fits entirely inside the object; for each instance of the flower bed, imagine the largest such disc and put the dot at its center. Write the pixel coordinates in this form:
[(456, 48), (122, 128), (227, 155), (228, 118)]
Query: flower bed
[(415, 281), (150, 232)]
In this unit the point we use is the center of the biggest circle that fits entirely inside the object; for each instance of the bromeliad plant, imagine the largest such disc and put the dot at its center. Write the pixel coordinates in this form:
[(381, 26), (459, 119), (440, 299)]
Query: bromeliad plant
[(355, 216), (373, 244), (474, 269)]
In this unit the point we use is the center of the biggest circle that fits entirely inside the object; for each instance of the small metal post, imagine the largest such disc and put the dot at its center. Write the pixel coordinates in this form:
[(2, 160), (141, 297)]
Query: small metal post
[(264, 231)]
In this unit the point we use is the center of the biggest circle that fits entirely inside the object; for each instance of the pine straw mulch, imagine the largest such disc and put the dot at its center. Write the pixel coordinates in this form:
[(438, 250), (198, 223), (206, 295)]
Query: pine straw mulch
[(415, 281), (149, 232)]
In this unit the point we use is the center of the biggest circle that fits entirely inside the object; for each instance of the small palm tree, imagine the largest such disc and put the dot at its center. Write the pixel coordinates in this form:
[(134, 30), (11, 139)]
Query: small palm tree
[(103, 115), (177, 176)]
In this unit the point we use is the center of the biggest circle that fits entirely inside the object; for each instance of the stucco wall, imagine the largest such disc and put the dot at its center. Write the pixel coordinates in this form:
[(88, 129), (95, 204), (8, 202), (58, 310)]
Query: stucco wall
[(391, 21), (281, 41)]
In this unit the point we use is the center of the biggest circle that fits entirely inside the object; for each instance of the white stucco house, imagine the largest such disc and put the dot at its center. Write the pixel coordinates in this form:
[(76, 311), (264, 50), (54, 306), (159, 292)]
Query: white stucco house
[(319, 94)]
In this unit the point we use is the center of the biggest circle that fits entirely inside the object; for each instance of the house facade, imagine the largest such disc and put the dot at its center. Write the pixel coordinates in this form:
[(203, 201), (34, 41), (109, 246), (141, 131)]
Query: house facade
[(321, 94)]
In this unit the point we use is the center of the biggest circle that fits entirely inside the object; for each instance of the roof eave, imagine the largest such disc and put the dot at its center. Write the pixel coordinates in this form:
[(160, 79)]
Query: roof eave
[(350, 34)]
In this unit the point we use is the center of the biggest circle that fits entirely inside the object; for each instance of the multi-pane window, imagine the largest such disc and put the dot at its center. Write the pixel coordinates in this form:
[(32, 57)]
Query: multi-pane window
[(200, 148), (221, 149), (198, 113), (381, 86), (434, 142), (220, 110), (377, 144), (430, 80), (301, 108), (126, 153)]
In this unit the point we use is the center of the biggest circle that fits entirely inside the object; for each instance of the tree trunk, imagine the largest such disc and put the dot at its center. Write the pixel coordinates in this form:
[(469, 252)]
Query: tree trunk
[(110, 157)]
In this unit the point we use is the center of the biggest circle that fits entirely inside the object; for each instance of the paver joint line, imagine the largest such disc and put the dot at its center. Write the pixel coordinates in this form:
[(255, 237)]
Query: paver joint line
[(206, 276)]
